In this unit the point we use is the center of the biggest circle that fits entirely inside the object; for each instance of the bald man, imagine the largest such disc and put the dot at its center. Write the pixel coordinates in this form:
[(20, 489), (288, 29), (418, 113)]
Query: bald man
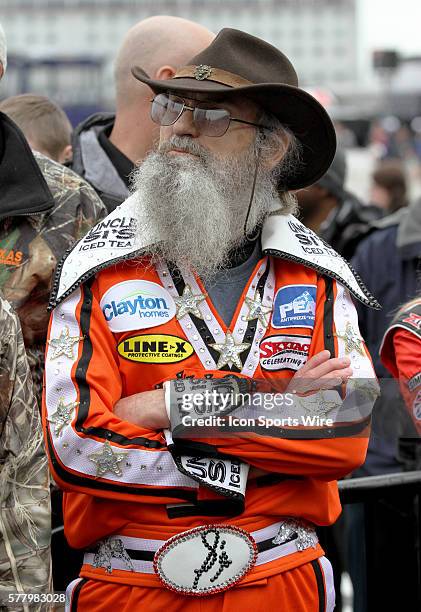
[(106, 147)]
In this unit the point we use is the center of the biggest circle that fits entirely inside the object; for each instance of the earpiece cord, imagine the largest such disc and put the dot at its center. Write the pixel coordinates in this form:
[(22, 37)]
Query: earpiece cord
[(252, 238)]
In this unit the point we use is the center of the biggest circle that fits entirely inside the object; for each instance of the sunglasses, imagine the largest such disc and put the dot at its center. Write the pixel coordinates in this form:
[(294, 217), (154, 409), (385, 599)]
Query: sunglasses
[(166, 109)]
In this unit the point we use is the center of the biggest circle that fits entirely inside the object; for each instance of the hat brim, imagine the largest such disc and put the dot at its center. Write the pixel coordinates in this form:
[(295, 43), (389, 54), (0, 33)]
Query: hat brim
[(294, 107)]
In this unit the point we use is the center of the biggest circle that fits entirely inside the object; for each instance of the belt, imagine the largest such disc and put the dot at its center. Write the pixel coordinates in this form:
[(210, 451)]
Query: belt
[(132, 554)]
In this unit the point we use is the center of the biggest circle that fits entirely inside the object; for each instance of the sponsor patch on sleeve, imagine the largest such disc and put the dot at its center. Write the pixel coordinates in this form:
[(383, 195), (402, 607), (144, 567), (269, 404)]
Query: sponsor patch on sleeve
[(136, 304), (414, 382), (284, 352), (416, 406), (155, 348), (414, 320), (294, 306)]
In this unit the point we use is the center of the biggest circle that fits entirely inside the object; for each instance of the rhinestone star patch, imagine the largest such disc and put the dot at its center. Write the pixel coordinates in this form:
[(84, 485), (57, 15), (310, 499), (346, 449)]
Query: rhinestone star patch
[(63, 345), (257, 310), (230, 352), (352, 341), (369, 388), (62, 416), (188, 303), (304, 537), (107, 460), (320, 405)]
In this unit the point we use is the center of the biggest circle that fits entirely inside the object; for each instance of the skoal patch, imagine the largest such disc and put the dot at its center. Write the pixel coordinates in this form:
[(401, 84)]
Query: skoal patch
[(294, 306), (155, 348), (284, 352), (136, 304)]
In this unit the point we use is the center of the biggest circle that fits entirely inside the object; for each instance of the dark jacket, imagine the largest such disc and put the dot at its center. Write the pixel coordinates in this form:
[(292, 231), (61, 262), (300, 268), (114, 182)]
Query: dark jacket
[(348, 224), (388, 261), (44, 208), (92, 163)]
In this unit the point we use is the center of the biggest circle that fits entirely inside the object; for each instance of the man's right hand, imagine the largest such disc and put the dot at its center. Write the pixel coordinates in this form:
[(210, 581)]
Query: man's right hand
[(146, 409)]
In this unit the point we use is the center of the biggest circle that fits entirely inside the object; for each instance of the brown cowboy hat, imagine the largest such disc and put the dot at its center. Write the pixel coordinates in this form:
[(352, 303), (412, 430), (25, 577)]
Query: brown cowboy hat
[(236, 63)]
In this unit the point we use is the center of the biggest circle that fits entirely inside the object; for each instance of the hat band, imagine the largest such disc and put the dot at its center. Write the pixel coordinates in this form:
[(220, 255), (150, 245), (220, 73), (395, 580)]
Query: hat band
[(204, 72)]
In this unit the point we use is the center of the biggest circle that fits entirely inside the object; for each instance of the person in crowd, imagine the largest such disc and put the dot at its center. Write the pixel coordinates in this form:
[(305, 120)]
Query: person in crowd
[(334, 213), (107, 146), (400, 353), (25, 514), (388, 260), (346, 138), (388, 189), (44, 208), (216, 282), (44, 124)]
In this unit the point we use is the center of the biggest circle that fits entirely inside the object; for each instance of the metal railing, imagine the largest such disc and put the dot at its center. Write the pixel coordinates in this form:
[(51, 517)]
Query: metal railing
[(392, 538)]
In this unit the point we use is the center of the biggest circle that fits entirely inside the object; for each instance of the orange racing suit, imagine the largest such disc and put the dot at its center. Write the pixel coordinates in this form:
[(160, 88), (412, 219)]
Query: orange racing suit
[(117, 334)]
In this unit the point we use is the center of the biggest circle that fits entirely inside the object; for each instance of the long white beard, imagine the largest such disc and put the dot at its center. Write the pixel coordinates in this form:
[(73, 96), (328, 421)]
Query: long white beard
[(198, 205)]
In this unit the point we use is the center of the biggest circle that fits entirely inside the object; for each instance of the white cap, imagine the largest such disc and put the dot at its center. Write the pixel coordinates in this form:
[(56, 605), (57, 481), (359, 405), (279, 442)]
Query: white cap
[(3, 48)]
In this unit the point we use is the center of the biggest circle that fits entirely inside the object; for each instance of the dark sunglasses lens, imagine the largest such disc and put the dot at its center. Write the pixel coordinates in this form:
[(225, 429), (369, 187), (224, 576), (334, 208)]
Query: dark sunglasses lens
[(166, 110), (212, 121)]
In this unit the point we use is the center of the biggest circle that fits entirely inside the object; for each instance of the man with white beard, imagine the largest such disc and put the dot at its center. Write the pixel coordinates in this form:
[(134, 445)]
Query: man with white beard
[(184, 183), (204, 285)]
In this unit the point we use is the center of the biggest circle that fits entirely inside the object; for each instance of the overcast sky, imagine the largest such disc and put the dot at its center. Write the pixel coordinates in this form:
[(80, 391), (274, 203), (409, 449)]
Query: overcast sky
[(391, 24)]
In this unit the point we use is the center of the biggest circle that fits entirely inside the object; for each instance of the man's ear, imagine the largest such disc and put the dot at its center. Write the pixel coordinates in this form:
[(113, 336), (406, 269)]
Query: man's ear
[(66, 154), (165, 72), (279, 153)]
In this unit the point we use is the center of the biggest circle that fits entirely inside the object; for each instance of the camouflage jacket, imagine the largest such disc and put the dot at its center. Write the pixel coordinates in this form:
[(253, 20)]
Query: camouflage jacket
[(44, 208), (25, 522)]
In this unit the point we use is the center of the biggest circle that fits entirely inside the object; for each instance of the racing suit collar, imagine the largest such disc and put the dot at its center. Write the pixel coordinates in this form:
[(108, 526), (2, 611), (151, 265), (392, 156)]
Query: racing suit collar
[(282, 236)]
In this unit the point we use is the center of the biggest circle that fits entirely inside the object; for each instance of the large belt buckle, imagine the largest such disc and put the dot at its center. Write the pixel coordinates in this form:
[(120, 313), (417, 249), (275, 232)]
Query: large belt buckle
[(205, 560)]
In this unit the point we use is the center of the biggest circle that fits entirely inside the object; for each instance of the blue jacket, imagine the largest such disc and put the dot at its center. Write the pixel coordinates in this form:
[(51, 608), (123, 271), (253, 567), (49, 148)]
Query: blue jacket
[(388, 261)]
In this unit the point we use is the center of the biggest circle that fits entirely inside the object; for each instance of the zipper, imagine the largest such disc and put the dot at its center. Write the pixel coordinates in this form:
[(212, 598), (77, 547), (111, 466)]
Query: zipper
[(25, 213)]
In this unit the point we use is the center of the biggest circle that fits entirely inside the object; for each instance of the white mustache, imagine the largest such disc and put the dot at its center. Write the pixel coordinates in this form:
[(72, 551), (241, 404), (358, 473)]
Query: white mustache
[(186, 144)]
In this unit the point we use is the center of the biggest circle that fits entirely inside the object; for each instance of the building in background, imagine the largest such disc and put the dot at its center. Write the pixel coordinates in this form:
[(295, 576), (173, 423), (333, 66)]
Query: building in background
[(64, 48)]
